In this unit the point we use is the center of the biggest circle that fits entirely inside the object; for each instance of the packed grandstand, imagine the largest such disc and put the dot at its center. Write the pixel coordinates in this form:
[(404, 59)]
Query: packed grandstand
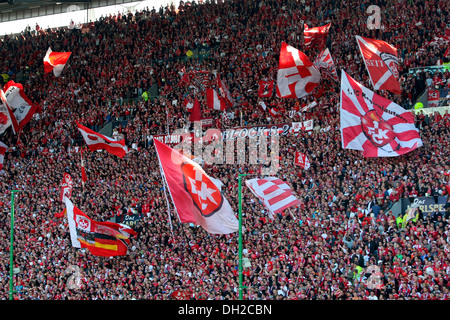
[(363, 225)]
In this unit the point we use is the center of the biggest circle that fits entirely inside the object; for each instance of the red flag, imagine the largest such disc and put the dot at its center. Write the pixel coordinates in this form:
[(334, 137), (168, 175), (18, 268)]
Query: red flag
[(316, 37), (224, 93), (3, 148), (214, 101), (188, 104), (101, 238), (197, 197), (381, 63), (265, 88), (302, 160), (297, 75), (96, 141), (196, 112), (83, 171), (23, 108), (373, 124), (7, 116), (55, 61)]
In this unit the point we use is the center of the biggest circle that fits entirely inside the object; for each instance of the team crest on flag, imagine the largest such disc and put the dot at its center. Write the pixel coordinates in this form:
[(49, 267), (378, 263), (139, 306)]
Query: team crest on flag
[(374, 124), (381, 63), (297, 76), (205, 194), (265, 89)]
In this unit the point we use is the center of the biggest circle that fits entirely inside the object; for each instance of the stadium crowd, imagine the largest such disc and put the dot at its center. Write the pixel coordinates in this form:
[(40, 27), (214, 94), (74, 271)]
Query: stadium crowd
[(324, 249)]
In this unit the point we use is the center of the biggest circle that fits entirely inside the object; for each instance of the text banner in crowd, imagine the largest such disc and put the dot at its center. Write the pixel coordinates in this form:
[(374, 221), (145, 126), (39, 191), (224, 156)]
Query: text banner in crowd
[(245, 132), (425, 204)]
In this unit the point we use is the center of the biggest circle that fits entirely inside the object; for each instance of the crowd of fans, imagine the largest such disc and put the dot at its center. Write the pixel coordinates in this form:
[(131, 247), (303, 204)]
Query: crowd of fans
[(325, 249)]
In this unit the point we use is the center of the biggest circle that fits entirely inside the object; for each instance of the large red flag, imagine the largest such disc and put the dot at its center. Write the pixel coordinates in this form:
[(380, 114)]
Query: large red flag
[(96, 141), (374, 124), (55, 61), (297, 75), (381, 63), (197, 197)]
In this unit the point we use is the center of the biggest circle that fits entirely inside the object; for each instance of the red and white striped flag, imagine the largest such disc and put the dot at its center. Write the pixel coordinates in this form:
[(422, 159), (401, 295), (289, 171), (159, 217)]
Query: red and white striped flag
[(275, 194), (317, 36), (55, 61), (96, 141), (214, 101), (373, 124), (302, 160), (3, 148), (324, 63)]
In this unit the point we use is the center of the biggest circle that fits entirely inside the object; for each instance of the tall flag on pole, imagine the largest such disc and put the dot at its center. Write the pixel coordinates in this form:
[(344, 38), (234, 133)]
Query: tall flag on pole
[(83, 170), (374, 124), (96, 141), (381, 63), (274, 193), (316, 37), (324, 63), (196, 196), (101, 238), (23, 108), (55, 61), (297, 76)]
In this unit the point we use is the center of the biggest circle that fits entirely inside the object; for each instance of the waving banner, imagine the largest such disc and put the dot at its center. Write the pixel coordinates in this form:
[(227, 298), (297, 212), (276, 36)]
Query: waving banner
[(317, 36), (373, 124), (381, 62), (297, 76), (324, 63)]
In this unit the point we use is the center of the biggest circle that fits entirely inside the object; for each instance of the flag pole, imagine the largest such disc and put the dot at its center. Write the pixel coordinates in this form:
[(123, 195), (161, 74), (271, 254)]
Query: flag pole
[(11, 250), (240, 235)]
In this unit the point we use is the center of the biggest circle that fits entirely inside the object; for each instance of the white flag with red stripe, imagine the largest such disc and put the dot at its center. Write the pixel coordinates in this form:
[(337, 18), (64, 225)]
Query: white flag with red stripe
[(55, 61), (66, 187), (316, 37), (381, 63), (324, 63), (302, 160), (297, 76), (274, 193), (214, 101), (96, 141), (3, 148), (374, 124), (23, 108)]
